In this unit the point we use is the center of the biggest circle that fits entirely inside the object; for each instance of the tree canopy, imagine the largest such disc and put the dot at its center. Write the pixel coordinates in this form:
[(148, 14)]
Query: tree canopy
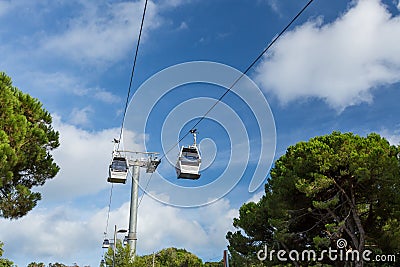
[(26, 139), (123, 255), (36, 264), (337, 186), (4, 262), (169, 257)]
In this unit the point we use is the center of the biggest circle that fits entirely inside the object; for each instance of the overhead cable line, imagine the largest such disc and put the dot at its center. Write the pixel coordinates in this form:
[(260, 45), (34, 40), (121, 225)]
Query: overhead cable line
[(224, 94), (133, 71), (108, 212), (127, 102), (147, 185), (243, 74), (249, 67), (233, 84)]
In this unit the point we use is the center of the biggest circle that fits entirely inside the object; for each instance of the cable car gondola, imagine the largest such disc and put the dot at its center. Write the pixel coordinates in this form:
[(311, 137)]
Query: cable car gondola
[(106, 243), (152, 164), (189, 160), (118, 170)]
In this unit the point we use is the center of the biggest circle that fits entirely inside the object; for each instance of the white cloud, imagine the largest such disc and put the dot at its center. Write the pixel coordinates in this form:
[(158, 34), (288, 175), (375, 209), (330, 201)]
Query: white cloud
[(83, 157), (200, 230), (51, 83), (105, 96), (392, 136), (95, 33), (102, 34), (54, 232), (183, 26), (274, 5), (97, 93), (340, 62), (5, 7), (63, 234), (72, 234), (173, 3), (168, 227), (80, 117), (256, 197)]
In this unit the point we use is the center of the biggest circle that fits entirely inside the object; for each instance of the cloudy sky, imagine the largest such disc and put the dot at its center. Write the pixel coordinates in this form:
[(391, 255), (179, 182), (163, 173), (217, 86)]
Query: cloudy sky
[(337, 68)]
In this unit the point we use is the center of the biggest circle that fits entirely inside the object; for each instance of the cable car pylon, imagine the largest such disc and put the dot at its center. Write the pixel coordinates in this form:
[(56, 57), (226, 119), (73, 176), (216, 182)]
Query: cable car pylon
[(118, 172)]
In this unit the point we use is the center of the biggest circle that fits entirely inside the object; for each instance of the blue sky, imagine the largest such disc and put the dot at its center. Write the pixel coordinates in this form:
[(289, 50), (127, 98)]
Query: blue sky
[(337, 68)]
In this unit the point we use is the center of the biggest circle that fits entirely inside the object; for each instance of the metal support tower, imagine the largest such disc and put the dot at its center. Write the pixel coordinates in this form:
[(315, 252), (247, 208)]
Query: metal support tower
[(150, 162), (132, 232)]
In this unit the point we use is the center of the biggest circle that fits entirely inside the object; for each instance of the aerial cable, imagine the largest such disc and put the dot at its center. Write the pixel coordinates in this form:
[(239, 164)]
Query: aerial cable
[(126, 104), (133, 71), (108, 212), (144, 191), (249, 67), (243, 74), (233, 84)]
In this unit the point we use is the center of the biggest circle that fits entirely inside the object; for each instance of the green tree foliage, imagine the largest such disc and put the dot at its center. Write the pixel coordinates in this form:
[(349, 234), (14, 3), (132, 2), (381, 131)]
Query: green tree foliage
[(173, 257), (57, 264), (35, 264), (214, 264), (331, 187), (244, 245), (169, 257), (122, 255), (26, 139), (4, 262)]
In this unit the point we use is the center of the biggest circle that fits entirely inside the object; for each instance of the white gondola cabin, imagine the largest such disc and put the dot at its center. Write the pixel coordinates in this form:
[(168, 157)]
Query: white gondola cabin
[(152, 164), (106, 243), (118, 170), (189, 160)]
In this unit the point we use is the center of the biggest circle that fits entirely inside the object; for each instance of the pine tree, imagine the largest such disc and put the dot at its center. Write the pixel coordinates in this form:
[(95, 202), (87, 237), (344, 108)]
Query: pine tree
[(26, 139), (337, 186)]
